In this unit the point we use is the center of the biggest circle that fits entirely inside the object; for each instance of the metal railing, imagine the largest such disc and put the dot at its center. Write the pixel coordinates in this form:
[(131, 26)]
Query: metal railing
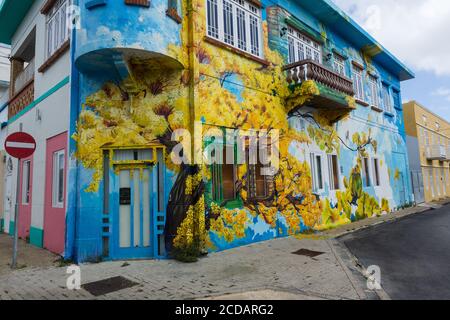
[(436, 152), (310, 70)]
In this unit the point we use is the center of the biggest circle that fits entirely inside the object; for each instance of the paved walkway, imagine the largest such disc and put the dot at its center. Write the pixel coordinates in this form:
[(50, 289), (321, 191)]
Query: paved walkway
[(256, 268), (258, 271)]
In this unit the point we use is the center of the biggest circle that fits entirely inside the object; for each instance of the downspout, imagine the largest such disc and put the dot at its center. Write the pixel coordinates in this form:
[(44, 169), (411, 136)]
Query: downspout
[(72, 214), (192, 71)]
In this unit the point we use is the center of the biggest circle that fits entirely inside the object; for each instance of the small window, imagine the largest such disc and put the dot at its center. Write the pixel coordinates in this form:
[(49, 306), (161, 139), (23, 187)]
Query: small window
[(424, 120), (58, 179), (339, 65), (396, 98), (374, 92), (57, 26), (26, 181), (236, 23), (366, 170), (387, 99), (224, 178), (358, 86), (376, 172), (333, 167), (303, 48), (259, 183), (317, 172)]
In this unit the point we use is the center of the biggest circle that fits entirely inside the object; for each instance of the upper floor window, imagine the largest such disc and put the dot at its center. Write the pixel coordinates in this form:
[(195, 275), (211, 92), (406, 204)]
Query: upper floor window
[(387, 99), (396, 98), (357, 75), (57, 26), (236, 23), (303, 48), (339, 65), (424, 120), (374, 95)]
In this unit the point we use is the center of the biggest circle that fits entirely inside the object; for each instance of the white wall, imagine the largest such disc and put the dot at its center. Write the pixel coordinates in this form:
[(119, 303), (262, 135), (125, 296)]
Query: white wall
[(4, 72), (54, 112)]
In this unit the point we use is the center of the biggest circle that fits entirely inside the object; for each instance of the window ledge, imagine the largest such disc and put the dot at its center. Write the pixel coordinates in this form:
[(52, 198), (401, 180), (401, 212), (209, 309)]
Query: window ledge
[(375, 108), (389, 114), (52, 59), (235, 50), (361, 102), (173, 14)]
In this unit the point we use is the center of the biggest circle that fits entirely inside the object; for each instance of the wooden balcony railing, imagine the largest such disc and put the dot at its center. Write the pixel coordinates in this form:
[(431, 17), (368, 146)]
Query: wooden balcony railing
[(310, 70)]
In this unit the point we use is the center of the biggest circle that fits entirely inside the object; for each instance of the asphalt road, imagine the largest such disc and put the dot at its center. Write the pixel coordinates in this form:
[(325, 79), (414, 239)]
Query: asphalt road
[(413, 254)]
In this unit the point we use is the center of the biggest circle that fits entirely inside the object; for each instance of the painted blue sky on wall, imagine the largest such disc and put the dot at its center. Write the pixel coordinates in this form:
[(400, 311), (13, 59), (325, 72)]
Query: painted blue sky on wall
[(413, 30)]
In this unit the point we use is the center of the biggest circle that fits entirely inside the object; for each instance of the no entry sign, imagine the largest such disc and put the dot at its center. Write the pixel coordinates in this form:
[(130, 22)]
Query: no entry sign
[(20, 145)]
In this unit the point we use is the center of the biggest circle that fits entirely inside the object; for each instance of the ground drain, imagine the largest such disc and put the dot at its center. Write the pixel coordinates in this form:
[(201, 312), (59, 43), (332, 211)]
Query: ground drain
[(308, 253), (99, 288)]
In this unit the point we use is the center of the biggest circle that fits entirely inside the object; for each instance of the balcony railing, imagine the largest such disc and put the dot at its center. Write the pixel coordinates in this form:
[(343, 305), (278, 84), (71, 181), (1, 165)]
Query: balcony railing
[(448, 153), (24, 77), (310, 70), (436, 152)]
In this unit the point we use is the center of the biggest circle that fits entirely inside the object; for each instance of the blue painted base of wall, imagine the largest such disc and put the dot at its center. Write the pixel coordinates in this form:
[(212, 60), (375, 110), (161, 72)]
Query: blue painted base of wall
[(37, 237), (2, 224)]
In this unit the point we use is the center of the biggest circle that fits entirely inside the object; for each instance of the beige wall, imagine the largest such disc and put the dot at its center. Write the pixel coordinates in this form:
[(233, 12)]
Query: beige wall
[(430, 130)]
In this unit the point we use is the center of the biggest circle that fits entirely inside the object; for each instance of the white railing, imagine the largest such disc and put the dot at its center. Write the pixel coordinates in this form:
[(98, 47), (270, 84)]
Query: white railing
[(448, 152), (436, 152), (24, 77)]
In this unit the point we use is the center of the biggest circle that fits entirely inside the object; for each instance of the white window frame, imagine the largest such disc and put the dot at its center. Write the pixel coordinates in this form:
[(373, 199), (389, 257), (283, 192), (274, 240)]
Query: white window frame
[(56, 182), (318, 181), (229, 29), (358, 83), (376, 172), (339, 65), (302, 47), (331, 172), (26, 182), (57, 29), (374, 91), (387, 102)]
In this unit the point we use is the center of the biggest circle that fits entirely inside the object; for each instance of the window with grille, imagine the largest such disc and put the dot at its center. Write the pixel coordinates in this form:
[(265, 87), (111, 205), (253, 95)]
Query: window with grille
[(339, 65), (303, 48), (374, 92), (237, 23), (358, 86), (387, 99), (317, 172), (57, 26)]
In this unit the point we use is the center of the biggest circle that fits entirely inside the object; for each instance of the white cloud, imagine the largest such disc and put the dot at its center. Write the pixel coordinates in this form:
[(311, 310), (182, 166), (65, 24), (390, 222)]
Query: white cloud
[(416, 31), (442, 92)]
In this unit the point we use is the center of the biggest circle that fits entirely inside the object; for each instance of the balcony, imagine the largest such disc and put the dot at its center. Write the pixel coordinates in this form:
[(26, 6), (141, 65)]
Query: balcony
[(24, 77), (436, 152), (448, 153), (317, 86), (22, 86)]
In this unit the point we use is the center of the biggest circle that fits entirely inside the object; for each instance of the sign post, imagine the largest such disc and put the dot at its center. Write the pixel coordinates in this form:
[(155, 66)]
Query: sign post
[(18, 145)]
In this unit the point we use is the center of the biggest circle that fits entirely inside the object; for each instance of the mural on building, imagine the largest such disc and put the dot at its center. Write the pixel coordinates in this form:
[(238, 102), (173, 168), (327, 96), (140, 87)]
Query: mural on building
[(230, 91)]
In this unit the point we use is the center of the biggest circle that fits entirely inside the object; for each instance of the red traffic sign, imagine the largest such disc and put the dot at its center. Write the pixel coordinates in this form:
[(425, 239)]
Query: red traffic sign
[(20, 145)]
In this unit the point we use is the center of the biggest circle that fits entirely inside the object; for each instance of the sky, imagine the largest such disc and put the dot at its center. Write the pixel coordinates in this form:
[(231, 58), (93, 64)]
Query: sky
[(417, 32)]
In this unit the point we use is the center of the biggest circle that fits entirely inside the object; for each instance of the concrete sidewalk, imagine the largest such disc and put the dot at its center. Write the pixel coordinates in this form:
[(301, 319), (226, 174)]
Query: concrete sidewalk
[(256, 268), (267, 270)]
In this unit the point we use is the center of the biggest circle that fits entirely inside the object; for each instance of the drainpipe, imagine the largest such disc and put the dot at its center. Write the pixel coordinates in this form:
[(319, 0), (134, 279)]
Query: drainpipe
[(192, 71)]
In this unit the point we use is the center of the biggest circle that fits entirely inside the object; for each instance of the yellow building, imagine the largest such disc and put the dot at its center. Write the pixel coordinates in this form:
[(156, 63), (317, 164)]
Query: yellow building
[(428, 138)]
